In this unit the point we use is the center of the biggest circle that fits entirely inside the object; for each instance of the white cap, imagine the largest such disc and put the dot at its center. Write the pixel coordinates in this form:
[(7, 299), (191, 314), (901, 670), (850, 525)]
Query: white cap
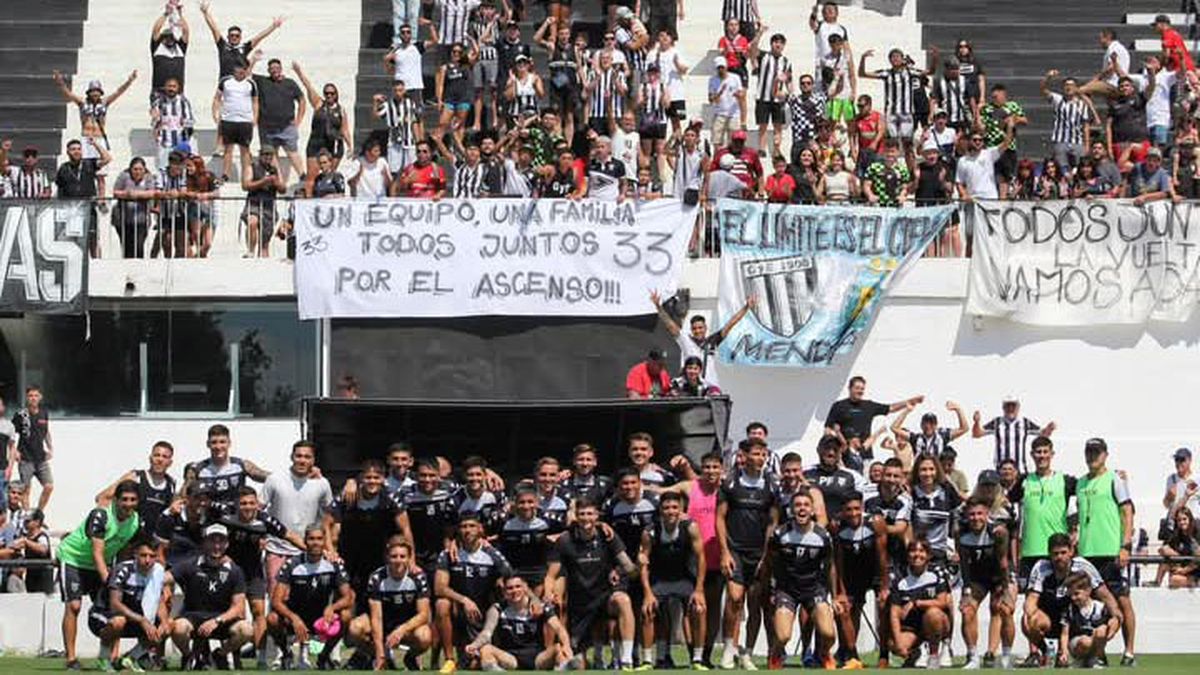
[(720, 62), (216, 528), (624, 13), (1010, 398), (726, 161)]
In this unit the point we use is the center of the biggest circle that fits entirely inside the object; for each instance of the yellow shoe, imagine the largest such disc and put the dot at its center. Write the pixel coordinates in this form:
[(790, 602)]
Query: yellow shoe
[(853, 664), (448, 667), (830, 663)]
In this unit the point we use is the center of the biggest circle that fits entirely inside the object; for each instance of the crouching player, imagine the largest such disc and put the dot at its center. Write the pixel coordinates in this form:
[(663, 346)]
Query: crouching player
[(800, 561), (312, 596), (398, 614), (920, 608), (464, 583), (983, 558), (214, 604), (1087, 625), (521, 633), (132, 606), (673, 576)]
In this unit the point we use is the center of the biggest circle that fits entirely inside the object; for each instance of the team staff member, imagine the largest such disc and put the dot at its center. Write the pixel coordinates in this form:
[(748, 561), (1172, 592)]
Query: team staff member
[(851, 416), (1106, 532), (120, 609), (521, 633), (673, 572), (86, 554), (309, 590), (399, 612), (860, 556), (214, 602), (1044, 496), (464, 582), (983, 558)]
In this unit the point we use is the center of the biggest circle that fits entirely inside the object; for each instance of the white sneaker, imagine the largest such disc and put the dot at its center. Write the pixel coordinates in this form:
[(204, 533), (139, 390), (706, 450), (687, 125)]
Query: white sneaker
[(972, 663), (746, 662), (1006, 662), (946, 655), (728, 659), (923, 659), (933, 663)]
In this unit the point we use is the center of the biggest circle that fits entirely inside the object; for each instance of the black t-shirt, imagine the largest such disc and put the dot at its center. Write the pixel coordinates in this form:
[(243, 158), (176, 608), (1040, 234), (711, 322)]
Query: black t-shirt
[(277, 102), (475, 573), (32, 428), (152, 501), (525, 546), (312, 586), (586, 564), (124, 578), (230, 55), (1128, 117), (167, 63), (245, 539), (180, 534), (76, 180), (854, 417), (263, 198), (749, 510), (835, 485), (366, 525), (629, 520), (208, 587), (6, 436), (432, 518)]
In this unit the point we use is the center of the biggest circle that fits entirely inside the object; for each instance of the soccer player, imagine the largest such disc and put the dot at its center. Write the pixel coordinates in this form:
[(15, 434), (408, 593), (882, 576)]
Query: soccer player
[(221, 473), (860, 556), (920, 606), (87, 552), (829, 476), (120, 609), (400, 463), (747, 513), (983, 560), (474, 498), (465, 580), (630, 513), (583, 481), (214, 603), (593, 565), (179, 533), (641, 451), (1087, 625), (553, 504), (1106, 532), (1045, 605), (248, 528), (430, 513), (800, 562), (525, 539), (521, 633), (1043, 496), (399, 614), (156, 488), (310, 589), (356, 529), (673, 571)]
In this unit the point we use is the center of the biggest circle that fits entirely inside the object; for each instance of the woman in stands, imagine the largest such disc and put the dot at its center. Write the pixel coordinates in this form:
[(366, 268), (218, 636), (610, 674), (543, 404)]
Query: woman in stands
[(455, 94), (1053, 184), (1089, 183), (840, 185), (202, 188), (93, 111), (328, 184), (330, 127), (134, 191), (1182, 543)]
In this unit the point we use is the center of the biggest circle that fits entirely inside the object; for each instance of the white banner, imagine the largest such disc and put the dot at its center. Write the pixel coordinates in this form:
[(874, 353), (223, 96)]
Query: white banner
[(405, 258), (1081, 263)]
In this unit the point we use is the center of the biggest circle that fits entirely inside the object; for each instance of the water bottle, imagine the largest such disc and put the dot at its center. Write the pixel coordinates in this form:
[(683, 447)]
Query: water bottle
[(1052, 651)]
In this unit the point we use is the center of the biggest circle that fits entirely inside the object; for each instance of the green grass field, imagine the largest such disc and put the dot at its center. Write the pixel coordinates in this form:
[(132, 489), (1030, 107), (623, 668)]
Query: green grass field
[(1164, 664)]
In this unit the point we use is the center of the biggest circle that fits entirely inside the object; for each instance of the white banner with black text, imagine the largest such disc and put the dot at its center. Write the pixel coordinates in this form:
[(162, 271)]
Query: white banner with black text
[(1080, 263), (406, 258)]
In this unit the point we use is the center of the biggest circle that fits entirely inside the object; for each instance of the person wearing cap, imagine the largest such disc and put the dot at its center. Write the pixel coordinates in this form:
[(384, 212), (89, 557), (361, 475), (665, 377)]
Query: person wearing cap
[(930, 439), (312, 601), (263, 183), (214, 602), (1182, 486), (169, 37), (1149, 181), (26, 181), (1011, 432), (649, 378), (523, 89), (119, 610), (746, 163), (88, 551), (93, 113), (1175, 50), (1106, 531), (508, 48)]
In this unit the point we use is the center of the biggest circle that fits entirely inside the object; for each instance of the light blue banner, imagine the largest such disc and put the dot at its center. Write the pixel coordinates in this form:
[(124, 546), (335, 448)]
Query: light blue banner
[(813, 275)]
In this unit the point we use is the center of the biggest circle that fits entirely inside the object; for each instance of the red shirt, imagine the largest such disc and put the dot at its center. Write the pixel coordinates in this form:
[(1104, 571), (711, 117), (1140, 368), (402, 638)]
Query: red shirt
[(734, 50), (780, 188), (639, 381), (746, 165), (425, 181), (1176, 51), (871, 124)]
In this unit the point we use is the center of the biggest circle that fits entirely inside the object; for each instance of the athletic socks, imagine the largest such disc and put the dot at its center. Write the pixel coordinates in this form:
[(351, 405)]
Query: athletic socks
[(662, 650), (627, 652), (730, 648), (648, 654), (697, 653)]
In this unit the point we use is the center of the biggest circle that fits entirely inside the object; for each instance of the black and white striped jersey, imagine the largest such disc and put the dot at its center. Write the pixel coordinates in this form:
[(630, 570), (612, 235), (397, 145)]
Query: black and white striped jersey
[(175, 120), (454, 17), (27, 184), (950, 94), (897, 91), (773, 72), (400, 117), (1070, 119), (468, 180), (1012, 437)]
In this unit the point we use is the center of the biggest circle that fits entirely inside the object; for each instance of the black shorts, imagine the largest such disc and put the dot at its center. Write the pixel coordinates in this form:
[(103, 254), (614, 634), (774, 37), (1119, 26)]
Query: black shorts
[(582, 617), (198, 618), (76, 582), (857, 591), (981, 588), (98, 620), (566, 99), (1112, 574), (526, 658), (677, 110), (913, 620), (237, 133), (653, 132), (335, 147), (256, 587), (464, 630), (1006, 167), (745, 567), (768, 112), (1024, 568), (681, 589), (793, 600)]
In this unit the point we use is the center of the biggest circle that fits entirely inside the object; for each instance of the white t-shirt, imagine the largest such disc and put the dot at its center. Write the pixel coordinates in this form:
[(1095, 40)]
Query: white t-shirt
[(407, 65), (625, 146), (370, 183), (727, 104), (978, 173), (237, 99), (1158, 108), (824, 30), (1115, 47), (1180, 485), (671, 78), (297, 503)]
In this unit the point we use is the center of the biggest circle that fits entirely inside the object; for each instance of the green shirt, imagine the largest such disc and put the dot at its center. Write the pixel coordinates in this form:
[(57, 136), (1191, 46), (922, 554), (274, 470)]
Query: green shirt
[(1043, 510), (1100, 500), (993, 122), (76, 549), (887, 182)]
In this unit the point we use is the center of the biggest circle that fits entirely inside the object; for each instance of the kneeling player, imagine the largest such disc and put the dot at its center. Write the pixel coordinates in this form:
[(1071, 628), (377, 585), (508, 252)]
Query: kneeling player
[(920, 608), (398, 611), (464, 583), (595, 567), (983, 558), (214, 603), (673, 576), (118, 612), (521, 633), (1087, 625), (800, 560), (310, 589), (860, 554)]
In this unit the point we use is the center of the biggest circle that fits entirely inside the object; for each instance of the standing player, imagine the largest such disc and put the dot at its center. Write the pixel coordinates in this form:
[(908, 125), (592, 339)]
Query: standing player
[(1044, 496), (309, 590), (835, 482), (1106, 532), (673, 571), (430, 513), (399, 456), (553, 504), (1046, 597), (120, 609), (521, 633), (630, 513), (800, 561), (641, 451), (156, 488), (1087, 626), (463, 585), (222, 474), (525, 539), (920, 606), (983, 559), (747, 513), (86, 554), (475, 499), (860, 555), (358, 531), (594, 566), (398, 601), (791, 481), (214, 603), (584, 481), (179, 533)]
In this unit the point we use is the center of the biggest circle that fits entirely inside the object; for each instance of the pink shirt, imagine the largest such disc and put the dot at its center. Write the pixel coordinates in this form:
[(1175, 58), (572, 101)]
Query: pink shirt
[(702, 509)]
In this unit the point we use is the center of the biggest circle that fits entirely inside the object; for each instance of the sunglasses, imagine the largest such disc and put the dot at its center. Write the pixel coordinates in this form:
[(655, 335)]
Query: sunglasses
[(331, 93)]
